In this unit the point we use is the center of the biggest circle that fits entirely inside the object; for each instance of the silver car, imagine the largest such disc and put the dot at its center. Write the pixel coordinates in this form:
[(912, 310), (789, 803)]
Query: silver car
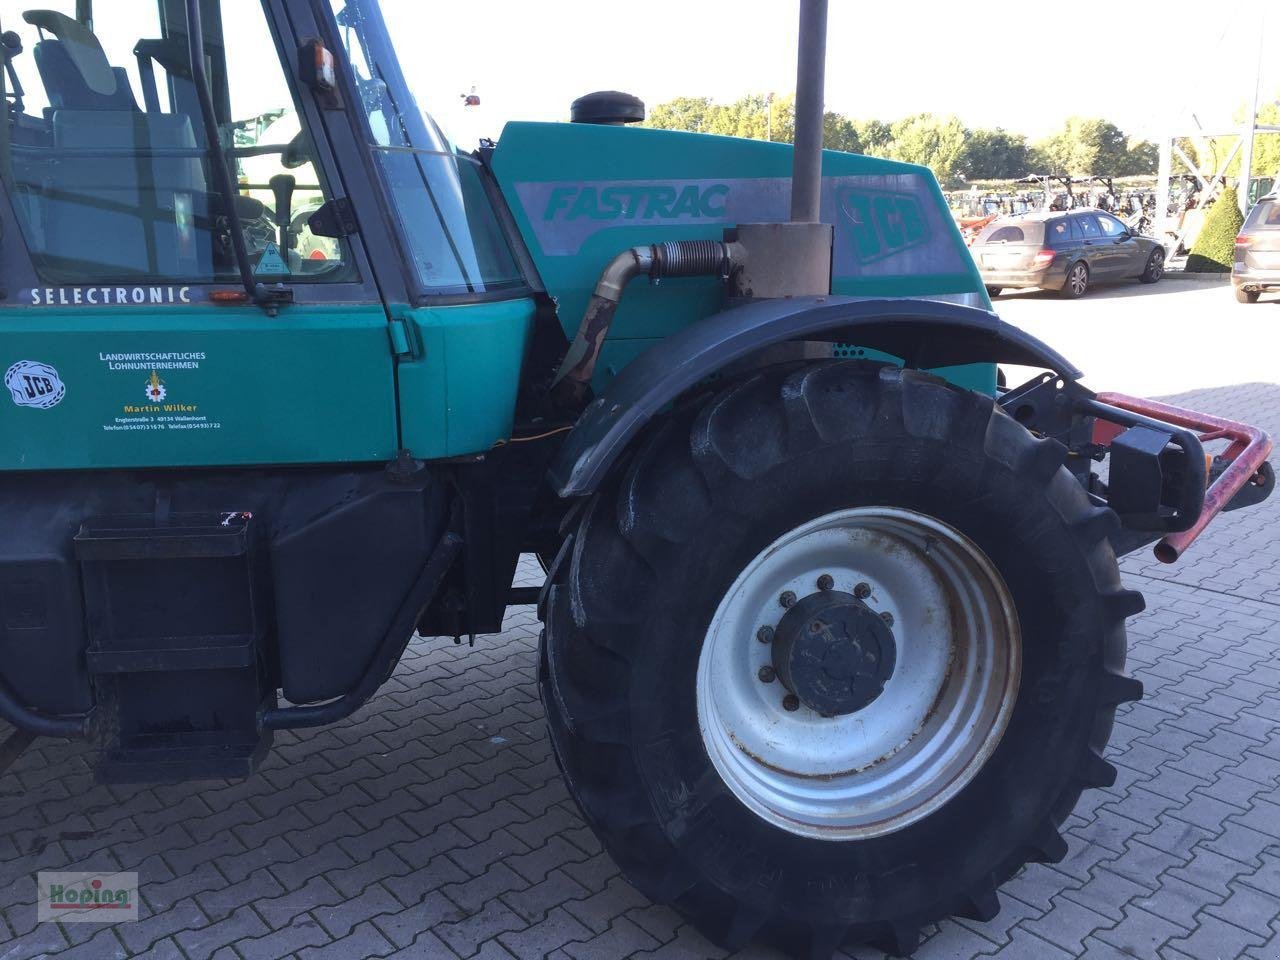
[(1256, 268)]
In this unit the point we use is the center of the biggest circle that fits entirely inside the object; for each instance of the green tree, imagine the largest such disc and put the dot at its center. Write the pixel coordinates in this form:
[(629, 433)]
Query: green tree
[(1141, 159), (1214, 249), (682, 113), (875, 136), (934, 142), (753, 117), (1084, 146), (840, 133), (997, 155), (1266, 146), (756, 116)]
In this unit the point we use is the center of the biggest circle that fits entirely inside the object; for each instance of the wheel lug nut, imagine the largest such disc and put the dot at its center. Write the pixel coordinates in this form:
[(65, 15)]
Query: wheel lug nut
[(862, 591), (766, 674), (765, 634), (788, 599), (826, 582), (887, 617), (791, 703)]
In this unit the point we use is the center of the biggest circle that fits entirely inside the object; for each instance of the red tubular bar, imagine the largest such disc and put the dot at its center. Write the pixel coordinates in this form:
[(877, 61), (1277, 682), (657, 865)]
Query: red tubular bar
[(1247, 452)]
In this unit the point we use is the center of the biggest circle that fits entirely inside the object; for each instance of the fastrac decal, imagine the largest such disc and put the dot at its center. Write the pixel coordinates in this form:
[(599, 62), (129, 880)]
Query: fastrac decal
[(641, 201), (34, 384), (111, 296), (886, 224), (565, 214)]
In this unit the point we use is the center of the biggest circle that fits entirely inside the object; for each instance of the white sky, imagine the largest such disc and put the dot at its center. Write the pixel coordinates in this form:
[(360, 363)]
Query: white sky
[(1146, 66), (1022, 65)]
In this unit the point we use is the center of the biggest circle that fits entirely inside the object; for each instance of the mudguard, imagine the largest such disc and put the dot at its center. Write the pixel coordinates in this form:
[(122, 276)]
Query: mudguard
[(924, 333)]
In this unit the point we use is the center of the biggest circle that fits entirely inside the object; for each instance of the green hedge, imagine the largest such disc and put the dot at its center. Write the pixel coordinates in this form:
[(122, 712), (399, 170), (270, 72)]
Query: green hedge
[(1215, 247)]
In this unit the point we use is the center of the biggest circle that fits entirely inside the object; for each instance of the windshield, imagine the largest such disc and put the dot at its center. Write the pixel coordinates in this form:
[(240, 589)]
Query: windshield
[(454, 239)]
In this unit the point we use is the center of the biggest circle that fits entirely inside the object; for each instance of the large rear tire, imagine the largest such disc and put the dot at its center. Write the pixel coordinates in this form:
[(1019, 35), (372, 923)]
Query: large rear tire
[(988, 558)]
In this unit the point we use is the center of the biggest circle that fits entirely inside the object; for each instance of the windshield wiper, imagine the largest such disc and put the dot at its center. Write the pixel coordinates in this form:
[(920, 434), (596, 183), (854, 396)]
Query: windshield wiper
[(270, 298)]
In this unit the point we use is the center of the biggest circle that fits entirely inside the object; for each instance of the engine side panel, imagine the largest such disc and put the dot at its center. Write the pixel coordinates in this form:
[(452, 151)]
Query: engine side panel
[(580, 193)]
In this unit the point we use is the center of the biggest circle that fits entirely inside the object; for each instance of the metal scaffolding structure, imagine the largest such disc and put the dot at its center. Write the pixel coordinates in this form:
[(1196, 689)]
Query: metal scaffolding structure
[(1211, 181)]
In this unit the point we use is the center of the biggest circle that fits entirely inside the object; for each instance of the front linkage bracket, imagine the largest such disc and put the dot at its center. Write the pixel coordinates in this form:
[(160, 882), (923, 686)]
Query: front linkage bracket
[(1159, 481)]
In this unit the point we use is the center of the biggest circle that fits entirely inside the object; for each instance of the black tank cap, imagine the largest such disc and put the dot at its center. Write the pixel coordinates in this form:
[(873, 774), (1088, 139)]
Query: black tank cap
[(607, 106)]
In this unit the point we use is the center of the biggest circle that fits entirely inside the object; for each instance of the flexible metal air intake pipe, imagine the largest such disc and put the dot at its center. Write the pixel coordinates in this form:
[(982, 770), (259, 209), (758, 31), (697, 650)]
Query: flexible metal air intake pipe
[(676, 258)]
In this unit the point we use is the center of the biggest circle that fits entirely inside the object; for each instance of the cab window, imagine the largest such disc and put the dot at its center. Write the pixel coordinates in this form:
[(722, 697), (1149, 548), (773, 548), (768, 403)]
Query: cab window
[(105, 158)]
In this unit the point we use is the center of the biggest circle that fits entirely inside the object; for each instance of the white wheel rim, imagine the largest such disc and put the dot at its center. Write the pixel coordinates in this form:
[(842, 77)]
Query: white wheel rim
[(940, 715), (1078, 280)]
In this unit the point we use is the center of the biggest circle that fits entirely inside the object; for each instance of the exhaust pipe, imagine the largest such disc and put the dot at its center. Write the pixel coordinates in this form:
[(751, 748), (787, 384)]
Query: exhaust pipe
[(811, 69), (793, 259)]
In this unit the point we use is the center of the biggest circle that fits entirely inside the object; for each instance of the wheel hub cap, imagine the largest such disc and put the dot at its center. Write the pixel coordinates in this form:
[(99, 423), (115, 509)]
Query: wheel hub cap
[(834, 652), (870, 701)]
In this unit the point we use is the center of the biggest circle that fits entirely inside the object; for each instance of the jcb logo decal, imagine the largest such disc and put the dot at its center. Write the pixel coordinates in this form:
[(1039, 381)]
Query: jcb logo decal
[(881, 223), (34, 384)]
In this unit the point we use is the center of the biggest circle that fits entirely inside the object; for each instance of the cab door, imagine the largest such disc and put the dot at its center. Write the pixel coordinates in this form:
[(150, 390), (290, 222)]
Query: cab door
[(123, 293)]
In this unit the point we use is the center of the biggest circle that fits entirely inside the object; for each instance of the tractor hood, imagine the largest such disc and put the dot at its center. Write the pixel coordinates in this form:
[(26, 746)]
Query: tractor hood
[(580, 193)]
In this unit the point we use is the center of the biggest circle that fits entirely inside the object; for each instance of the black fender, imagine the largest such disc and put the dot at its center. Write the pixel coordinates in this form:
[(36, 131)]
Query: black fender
[(924, 333)]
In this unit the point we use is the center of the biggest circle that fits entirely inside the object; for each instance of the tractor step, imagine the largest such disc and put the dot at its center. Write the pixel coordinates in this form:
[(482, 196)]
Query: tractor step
[(171, 760), (176, 608)]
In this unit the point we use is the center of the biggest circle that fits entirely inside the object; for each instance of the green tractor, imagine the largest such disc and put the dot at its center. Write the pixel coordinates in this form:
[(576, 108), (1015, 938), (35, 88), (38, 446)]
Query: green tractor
[(834, 630)]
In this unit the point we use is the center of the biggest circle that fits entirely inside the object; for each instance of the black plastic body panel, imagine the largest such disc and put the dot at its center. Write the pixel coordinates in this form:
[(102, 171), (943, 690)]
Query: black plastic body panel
[(924, 333), (341, 575), (42, 638), (341, 547)]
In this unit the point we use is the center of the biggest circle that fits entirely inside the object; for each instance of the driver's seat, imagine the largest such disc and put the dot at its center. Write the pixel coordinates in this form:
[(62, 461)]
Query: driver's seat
[(74, 67)]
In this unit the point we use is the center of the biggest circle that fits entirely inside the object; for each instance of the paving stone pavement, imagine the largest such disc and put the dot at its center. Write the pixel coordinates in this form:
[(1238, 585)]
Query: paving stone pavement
[(433, 824)]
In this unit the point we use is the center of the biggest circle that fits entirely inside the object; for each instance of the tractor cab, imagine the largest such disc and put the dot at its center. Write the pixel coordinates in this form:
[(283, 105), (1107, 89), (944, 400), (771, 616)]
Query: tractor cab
[(266, 216)]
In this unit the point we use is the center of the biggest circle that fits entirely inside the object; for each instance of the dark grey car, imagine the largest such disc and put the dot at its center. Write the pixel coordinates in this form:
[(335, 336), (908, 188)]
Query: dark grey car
[(1256, 269), (1064, 251)]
